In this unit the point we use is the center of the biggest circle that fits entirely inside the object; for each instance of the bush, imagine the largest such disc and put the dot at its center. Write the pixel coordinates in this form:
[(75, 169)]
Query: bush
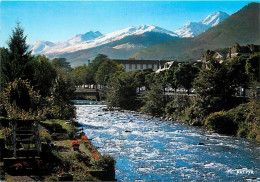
[(221, 122), (83, 158), (243, 129), (44, 134), (155, 101), (22, 102), (7, 134), (253, 120), (198, 111), (122, 92), (178, 106), (105, 162), (2, 110)]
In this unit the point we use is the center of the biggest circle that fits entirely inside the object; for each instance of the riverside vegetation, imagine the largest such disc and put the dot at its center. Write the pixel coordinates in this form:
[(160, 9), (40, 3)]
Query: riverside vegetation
[(215, 105), (35, 88)]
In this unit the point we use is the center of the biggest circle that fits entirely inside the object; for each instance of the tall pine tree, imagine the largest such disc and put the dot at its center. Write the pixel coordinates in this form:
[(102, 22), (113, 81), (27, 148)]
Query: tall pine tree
[(17, 56)]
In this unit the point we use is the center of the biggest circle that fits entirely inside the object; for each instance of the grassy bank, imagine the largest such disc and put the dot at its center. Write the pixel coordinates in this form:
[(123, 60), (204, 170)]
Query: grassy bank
[(61, 157), (241, 121)]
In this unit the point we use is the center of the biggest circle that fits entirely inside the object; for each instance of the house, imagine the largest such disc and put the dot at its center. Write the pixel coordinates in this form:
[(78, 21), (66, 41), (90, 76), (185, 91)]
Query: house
[(131, 65), (219, 56), (172, 64), (238, 50)]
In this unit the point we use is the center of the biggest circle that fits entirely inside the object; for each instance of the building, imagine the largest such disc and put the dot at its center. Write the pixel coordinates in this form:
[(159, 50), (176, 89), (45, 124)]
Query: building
[(238, 50), (131, 65), (172, 64)]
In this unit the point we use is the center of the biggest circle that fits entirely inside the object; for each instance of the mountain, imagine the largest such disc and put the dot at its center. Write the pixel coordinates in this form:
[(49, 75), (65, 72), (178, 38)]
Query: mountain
[(84, 37), (119, 49), (118, 44), (192, 29), (241, 27), (93, 39)]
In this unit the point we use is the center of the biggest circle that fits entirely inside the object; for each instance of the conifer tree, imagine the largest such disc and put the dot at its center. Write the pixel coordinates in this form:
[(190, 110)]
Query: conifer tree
[(17, 56)]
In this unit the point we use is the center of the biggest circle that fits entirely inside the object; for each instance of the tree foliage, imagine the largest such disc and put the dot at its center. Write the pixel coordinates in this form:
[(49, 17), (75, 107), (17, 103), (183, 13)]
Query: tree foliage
[(79, 75), (62, 93), (154, 100), (253, 66), (122, 91), (28, 90), (14, 59), (106, 70), (22, 102), (185, 75), (43, 75), (59, 63)]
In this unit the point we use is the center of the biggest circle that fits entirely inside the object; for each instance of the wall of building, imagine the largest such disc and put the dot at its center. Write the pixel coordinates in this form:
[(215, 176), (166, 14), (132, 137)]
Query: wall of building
[(131, 65)]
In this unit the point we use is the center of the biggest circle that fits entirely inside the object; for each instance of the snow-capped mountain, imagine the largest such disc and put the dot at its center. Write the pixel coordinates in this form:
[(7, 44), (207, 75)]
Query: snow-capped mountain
[(215, 18), (84, 37), (120, 44), (93, 39), (192, 29)]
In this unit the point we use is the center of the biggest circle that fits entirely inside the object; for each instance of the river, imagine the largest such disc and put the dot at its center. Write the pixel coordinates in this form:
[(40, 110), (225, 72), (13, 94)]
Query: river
[(148, 149)]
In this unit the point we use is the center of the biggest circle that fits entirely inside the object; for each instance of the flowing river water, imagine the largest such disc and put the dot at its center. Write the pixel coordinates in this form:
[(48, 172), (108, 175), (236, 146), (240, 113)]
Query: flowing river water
[(148, 149)]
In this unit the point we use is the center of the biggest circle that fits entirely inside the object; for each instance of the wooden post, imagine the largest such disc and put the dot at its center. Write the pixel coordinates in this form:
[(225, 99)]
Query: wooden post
[(2, 149), (14, 139), (38, 142)]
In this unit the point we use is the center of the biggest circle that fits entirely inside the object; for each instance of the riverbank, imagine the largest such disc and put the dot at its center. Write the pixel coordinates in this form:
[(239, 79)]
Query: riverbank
[(66, 154), (243, 120)]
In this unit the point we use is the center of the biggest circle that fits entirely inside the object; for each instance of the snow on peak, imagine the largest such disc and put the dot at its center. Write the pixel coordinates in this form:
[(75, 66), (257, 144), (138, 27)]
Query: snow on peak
[(84, 37), (192, 29), (93, 39), (137, 31), (40, 46), (215, 18)]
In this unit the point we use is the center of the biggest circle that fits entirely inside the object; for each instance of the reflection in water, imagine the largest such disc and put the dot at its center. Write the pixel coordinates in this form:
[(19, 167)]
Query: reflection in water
[(150, 149)]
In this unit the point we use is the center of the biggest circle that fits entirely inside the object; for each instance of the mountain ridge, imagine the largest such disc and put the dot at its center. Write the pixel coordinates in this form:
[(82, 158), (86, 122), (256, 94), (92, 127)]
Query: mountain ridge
[(94, 39), (241, 27), (120, 44), (192, 29)]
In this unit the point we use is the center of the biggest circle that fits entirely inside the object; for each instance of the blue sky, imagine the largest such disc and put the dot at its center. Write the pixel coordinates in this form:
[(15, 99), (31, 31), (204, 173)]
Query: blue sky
[(61, 20)]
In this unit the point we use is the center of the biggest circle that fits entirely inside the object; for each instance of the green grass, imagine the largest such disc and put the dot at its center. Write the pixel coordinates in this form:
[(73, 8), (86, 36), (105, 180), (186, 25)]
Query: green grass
[(65, 125)]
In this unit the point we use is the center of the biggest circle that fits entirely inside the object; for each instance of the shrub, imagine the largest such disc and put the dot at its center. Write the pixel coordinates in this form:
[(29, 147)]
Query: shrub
[(22, 102), (2, 110), (253, 120), (83, 158), (155, 101), (243, 129), (122, 92), (44, 134), (178, 106), (7, 134), (221, 122), (105, 162)]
